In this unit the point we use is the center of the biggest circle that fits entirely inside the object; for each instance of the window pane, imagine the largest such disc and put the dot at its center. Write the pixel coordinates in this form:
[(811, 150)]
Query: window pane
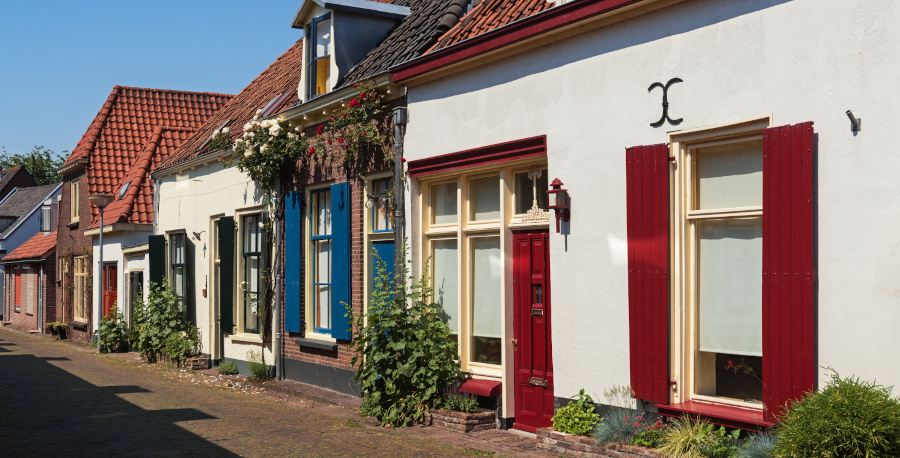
[(177, 249), (525, 192), (178, 279), (323, 38), (728, 176), (322, 213), (253, 274), (486, 299), (251, 314), (730, 286), (323, 302), (323, 266), (485, 198), (322, 70), (381, 219), (443, 203), (446, 281)]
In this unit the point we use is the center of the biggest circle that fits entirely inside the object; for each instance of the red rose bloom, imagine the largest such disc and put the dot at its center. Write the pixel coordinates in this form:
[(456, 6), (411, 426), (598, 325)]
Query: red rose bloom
[(329, 142), (402, 159), (340, 140), (354, 103), (320, 129), (362, 95), (312, 149)]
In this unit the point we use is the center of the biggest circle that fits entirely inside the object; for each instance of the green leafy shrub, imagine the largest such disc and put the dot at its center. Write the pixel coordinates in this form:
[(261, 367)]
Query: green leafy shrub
[(228, 368), (848, 418), (179, 346), (689, 437), (112, 335), (155, 320), (578, 417), (625, 423), (457, 400), (403, 351), (757, 446), (258, 366)]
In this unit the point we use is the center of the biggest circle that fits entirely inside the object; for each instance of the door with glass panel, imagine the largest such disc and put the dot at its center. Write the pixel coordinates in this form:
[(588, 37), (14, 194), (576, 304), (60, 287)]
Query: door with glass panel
[(110, 289), (531, 329)]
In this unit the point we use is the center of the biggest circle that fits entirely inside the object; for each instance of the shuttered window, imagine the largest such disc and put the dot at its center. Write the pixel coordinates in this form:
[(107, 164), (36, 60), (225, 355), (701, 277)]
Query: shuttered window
[(293, 260), (225, 273), (328, 262)]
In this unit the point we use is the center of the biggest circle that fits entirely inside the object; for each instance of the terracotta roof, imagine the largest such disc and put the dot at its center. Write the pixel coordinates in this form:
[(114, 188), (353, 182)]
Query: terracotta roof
[(489, 15), (282, 76), (123, 131), (427, 21), (22, 201), (37, 247)]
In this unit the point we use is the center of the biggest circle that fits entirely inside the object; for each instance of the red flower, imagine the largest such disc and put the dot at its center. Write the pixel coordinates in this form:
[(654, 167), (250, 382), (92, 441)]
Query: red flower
[(402, 159), (329, 142), (340, 140), (354, 103), (346, 114), (312, 149), (320, 129), (362, 95)]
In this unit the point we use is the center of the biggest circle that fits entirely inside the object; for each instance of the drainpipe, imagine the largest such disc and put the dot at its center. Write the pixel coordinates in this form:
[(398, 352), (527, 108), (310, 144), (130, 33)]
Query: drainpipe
[(400, 119), (155, 203), (276, 316), (40, 320)]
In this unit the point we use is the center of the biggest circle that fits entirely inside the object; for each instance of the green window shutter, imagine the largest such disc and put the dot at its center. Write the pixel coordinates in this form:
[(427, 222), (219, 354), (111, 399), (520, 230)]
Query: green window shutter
[(226, 273), (340, 260), (157, 254), (190, 311), (264, 272)]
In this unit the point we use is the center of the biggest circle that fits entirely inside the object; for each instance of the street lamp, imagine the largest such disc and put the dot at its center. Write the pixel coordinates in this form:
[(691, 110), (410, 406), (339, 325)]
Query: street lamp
[(101, 201)]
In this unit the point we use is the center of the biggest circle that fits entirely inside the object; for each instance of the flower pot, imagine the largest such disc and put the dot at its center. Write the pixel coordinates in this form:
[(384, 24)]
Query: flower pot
[(62, 333)]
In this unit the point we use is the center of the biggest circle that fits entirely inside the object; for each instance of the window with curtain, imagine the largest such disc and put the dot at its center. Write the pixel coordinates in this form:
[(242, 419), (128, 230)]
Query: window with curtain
[(251, 250), (80, 275), (725, 220)]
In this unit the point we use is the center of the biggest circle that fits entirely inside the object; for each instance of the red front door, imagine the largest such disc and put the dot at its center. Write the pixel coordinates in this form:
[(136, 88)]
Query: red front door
[(109, 289), (534, 365)]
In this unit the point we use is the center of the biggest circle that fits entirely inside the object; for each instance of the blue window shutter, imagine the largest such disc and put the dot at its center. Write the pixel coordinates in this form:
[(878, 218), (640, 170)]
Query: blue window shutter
[(385, 251), (293, 256), (340, 260)]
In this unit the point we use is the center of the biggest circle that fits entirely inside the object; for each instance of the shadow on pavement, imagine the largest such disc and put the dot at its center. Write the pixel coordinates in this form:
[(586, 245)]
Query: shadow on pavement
[(47, 410)]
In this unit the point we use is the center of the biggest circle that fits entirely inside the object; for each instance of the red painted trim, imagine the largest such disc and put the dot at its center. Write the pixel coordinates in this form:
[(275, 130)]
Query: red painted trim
[(482, 387), (501, 152), (728, 416), (529, 27)]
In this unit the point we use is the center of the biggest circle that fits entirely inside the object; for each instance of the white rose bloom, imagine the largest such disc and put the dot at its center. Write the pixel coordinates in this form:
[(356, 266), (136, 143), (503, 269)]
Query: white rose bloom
[(250, 134), (262, 149), (248, 153), (259, 112), (225, 130), (247, 127), (274, 130)]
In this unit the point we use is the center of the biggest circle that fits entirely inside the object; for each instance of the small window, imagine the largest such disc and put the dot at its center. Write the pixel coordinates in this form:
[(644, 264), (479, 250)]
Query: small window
[(321, 239), (253, 282), (46, 218), (318, 56), (124, 189), (381, 211), (177, 264), (531, 190), (75, 201)]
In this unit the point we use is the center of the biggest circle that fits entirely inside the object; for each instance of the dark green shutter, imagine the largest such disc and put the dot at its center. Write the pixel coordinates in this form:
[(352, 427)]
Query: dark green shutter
[(293, 224), (340, 260), (265, 272), (190, 311), (226, 274), (157, 254)]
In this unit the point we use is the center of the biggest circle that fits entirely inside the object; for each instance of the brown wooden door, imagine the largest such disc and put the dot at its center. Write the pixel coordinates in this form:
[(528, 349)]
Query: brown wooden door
[(533, 361), (109, 289)]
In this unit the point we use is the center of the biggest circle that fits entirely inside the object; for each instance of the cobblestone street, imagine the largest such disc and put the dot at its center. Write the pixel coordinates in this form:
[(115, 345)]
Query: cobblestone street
[(60, 397)]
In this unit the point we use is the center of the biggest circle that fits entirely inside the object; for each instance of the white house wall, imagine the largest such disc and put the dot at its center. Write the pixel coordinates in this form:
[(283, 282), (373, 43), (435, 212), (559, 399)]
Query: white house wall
[(112, 253), (189, 201), (800, 60)]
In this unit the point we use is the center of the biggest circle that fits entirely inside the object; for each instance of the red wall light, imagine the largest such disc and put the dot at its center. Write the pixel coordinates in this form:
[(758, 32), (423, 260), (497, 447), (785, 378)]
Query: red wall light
[(558, 201)]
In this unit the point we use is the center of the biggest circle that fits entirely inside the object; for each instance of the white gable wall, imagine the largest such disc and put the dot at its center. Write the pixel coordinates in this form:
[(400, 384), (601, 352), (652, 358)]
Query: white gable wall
[(800, 60)]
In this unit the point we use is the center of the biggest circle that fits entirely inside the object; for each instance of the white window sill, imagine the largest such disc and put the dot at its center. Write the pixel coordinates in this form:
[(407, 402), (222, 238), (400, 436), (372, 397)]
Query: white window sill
[(246, 338)]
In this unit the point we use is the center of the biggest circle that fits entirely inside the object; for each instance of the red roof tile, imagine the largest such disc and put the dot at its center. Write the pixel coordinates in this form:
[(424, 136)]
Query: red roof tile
[(38, 246), (490, 15), (282, 76), (132, 124)]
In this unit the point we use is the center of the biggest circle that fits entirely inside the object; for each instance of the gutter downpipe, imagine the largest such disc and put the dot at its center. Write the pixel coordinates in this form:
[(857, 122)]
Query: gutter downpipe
[(400, 120), (40, 320), (276, 316)]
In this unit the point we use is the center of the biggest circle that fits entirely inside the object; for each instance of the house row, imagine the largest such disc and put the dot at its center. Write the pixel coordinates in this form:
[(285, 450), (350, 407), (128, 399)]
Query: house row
[(718, 228)]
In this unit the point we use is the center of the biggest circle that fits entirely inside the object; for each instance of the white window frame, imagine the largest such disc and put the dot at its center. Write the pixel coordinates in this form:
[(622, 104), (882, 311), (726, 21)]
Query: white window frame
[(683, 313), (75, 200), (308, 262), (79, 288)]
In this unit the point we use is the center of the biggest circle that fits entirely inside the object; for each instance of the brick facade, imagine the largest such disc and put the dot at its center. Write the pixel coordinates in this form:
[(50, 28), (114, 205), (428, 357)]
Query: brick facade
[(33, 288), (71, 242)]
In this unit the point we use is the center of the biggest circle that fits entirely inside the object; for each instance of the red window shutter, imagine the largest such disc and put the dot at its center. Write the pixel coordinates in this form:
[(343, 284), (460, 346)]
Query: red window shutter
[(648, 270), (789, 362)]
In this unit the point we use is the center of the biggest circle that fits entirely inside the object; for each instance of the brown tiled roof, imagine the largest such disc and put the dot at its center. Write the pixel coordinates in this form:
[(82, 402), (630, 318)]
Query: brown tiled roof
[(38, 246), (122, 131), (427, 21), (489, 15), (282, 76)]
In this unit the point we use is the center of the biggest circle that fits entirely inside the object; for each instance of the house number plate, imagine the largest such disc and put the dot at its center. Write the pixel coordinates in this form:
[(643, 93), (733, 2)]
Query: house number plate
[(538, 381)]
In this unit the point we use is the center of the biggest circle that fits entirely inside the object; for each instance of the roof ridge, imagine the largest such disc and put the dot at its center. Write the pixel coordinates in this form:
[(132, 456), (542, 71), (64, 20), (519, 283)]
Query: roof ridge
[(96, 127), (176, 91)]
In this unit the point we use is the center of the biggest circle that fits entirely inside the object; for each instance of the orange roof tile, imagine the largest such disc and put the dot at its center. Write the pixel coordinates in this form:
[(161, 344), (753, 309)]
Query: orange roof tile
[(132, 124), (282, 76), (38, 246), (490, 15)]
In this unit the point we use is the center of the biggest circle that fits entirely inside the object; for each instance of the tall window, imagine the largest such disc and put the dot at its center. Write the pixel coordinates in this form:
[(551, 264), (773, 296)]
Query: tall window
[(177, 261), (80, 294), (18, 288), (318, 56), (28, 291), (724, 221), (380, 234), (465, 222), (321, 240), (252, 249), (46, 217), (75, 200)]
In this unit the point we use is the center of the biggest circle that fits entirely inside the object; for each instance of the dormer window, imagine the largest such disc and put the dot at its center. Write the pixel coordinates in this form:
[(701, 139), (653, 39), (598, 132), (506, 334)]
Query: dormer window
[(319, 57), (47, 216)]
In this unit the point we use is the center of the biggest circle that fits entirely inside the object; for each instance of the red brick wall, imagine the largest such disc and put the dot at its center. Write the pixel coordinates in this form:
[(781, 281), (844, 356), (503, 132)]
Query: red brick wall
[(71, 241)]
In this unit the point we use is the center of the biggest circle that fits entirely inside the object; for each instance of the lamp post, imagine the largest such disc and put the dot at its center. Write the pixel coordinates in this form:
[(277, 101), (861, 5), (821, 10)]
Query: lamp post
[(101, 201)]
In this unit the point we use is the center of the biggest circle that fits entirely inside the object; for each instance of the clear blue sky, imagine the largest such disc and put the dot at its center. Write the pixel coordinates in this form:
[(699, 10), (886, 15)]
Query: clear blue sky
[(59, 60)]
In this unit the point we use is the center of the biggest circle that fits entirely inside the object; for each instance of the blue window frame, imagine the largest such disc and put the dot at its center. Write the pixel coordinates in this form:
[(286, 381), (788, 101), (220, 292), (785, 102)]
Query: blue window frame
[(321, 239)]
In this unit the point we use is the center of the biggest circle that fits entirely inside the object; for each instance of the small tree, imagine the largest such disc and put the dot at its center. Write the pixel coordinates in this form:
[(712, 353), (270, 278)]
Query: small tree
[(41, 162), (404, 352)]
